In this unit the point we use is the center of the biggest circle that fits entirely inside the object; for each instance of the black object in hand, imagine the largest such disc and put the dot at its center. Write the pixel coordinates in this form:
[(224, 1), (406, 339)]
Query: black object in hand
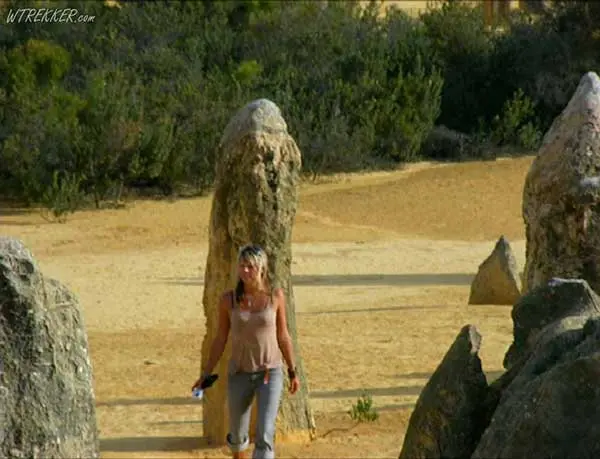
[(208, 381)]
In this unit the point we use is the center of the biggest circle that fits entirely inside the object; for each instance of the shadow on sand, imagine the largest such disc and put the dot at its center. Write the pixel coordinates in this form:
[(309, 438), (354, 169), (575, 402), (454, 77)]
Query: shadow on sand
[(142, 444), (355, 279), (349, 393), (414, 390), (377, 392), (8, 210), (386, 309), (150, 401), (166, 444)]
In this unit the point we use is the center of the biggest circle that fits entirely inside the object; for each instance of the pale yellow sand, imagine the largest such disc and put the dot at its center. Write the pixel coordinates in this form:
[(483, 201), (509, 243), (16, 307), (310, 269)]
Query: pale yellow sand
[(382, 266)]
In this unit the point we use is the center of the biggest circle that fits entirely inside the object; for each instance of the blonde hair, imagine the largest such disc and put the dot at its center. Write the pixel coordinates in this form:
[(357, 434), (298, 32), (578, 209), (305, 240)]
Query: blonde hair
[(256, 256)]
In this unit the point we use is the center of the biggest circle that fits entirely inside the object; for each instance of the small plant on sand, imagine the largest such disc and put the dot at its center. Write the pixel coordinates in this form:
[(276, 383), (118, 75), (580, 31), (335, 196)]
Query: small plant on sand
[(363, 410)]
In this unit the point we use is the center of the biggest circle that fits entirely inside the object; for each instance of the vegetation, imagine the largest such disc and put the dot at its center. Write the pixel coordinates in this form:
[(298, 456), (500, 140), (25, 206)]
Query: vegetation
[(363, 410), (137, 98)]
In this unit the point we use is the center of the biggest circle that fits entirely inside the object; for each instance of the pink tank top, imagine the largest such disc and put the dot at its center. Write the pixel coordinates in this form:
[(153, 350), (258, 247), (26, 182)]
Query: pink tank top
[(254, 345)]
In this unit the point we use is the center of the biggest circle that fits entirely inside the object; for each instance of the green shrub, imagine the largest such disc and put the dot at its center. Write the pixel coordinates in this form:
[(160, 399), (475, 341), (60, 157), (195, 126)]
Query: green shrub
[(536, 61), (516, 125), (140, 97), (63, 196), (363, 410), (461, 47)]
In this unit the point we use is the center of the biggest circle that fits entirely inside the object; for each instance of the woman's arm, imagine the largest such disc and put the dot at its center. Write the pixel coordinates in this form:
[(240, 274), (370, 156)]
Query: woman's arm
[(283, 336), (218, 344)]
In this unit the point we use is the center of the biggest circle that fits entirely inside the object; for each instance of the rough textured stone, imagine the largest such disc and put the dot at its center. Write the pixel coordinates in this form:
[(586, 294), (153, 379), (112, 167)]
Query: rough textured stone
[(255, 201), (549, 408), (558, 299), (452, 411), (561, 196), (47, 406), (497, 280)]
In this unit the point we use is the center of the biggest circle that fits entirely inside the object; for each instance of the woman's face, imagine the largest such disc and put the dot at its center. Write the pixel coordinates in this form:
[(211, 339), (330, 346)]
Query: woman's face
[(248, 272)]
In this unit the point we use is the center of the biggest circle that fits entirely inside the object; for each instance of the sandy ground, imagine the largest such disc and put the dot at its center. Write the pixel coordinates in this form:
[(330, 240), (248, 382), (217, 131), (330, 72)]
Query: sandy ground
[(382, 270)]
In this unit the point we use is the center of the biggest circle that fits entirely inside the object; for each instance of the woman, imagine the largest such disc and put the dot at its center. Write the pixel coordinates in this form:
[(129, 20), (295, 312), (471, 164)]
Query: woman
[(255, 315)]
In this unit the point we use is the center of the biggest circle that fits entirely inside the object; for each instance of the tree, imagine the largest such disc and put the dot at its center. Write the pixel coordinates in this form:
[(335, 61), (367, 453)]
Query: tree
[(112, 133)]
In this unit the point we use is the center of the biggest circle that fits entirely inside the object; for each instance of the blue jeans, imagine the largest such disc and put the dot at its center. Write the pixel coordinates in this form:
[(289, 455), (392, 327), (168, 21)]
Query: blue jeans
[(241, 390)]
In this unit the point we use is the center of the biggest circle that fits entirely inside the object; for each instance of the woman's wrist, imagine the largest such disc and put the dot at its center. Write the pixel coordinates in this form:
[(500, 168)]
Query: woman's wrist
[(291, 372)]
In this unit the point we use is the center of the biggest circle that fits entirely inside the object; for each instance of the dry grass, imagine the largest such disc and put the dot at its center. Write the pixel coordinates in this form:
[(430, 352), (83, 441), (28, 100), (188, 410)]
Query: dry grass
[(382, 268)]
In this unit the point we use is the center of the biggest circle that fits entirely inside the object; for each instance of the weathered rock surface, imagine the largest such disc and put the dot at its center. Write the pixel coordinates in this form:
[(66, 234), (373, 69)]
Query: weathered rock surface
[(559, 325), (550, 407), (451, 412), (548, 304), (543, 405), (561, 196), (497, 280), (255, 201), (47, 406)]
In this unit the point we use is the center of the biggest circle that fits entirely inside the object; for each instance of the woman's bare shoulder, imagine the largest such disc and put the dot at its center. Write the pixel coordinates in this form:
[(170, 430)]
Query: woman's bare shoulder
[(278, 294), (278, 291)]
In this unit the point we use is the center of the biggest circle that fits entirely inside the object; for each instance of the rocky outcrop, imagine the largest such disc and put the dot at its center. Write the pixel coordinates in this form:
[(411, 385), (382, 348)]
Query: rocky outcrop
[(497, 280), (561, 197), (549, 408), (542, 406), (451, 411), (549, 304), (47, 404)]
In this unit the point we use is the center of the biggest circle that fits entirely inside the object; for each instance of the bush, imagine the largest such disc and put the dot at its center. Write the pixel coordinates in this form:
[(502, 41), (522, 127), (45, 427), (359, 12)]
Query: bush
[(63, 196), (517, 125), (535, 61), (363, 410), (140, 97), (461, 47)]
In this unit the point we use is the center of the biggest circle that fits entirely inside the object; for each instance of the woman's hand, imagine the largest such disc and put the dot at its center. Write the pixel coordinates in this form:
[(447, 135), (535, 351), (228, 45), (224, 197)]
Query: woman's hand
[(198, 383), (294, 385)]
